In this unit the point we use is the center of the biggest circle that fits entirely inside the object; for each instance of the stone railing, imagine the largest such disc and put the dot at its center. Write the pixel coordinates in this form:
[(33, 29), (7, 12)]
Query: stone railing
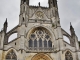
[(39, 21), (40, 49)]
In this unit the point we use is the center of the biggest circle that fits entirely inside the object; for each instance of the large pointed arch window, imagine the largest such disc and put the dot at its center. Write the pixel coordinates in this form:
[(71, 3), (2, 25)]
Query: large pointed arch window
[(68, 56), (41, 39), (11, 56)]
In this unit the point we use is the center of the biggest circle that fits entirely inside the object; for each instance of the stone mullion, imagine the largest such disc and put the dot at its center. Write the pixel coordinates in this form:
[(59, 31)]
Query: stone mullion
[(33, 44)]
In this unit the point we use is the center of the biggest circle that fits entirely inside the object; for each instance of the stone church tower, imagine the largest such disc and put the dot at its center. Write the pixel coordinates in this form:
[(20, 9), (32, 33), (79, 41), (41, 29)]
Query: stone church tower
[(39, 36)]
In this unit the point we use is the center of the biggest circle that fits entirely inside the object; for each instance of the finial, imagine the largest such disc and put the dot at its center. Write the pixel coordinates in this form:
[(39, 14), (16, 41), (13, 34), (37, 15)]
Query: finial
[(70, 24), (6, 23), (39, 3), (6, 19)]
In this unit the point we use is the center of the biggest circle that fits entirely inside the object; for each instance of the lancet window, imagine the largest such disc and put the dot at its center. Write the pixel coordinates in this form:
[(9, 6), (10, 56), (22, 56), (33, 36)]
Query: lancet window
[(11, 56)]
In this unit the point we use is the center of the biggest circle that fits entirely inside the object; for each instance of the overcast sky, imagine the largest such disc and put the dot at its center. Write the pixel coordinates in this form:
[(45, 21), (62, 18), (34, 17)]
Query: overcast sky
[(69, 11)]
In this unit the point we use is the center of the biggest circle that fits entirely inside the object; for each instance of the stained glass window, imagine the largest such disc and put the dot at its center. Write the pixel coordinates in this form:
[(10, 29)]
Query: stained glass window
[(30, 43), (35, 43), (49, 43), (40, 42), (45, 43), (68, 56), (11, 56), (40, 38)]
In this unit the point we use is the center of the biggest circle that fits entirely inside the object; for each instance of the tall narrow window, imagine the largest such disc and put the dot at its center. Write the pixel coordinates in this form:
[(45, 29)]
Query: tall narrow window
[(45, 43), (35, 43), (11, 56), (30, 43), (68, 56), (40, 42), (49, 43)]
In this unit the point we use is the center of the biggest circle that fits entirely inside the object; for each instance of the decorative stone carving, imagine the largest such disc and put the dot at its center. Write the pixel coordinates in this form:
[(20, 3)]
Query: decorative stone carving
[(39, 15)]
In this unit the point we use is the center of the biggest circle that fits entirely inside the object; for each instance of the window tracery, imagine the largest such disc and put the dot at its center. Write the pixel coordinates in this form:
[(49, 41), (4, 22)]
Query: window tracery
[(68, 56), (40, 39), (11, 56)]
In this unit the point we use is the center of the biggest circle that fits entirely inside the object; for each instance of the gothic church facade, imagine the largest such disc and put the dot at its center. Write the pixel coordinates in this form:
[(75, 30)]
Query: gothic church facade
[(39, 36)]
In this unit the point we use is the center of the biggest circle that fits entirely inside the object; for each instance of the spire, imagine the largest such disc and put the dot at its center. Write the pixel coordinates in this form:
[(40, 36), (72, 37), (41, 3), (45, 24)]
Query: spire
[(71, 27), (5, 25), (72, 30), (6, 21)]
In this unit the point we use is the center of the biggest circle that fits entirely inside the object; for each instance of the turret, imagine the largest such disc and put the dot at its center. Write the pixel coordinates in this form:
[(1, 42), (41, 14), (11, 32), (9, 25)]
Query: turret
[(52, 3), (23, 12), (25, 1)]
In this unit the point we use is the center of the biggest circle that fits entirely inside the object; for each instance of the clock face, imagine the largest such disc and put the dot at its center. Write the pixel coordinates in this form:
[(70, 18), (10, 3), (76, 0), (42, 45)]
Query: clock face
[(39, 15)]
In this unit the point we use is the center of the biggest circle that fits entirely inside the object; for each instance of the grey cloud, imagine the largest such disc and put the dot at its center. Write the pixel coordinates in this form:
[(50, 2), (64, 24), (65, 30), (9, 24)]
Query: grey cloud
[(68, 12)]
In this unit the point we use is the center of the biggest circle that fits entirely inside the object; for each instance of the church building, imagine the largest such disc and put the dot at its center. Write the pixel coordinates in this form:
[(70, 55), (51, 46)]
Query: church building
[(39, 36)]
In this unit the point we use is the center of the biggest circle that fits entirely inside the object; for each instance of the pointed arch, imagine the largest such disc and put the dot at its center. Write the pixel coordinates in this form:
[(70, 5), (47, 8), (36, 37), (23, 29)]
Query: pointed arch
[(40, 42), (41, 37), (11, 55), (41, 56), (68, 56), (49, 43), (30, 43), (35, 43), (45, 43)]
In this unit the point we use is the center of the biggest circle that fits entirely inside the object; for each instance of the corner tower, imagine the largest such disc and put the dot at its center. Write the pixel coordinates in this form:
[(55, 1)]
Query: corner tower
[(24, 7), (52, 3)]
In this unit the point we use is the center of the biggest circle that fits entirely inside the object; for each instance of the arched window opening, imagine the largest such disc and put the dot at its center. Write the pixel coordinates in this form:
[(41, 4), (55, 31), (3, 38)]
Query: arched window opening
[(30, 43), (41, 38), (12, 37), (40, 42), (45, 43), (68, 56), (49, 43), (35, 43), (66, 39), (11, 56)]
